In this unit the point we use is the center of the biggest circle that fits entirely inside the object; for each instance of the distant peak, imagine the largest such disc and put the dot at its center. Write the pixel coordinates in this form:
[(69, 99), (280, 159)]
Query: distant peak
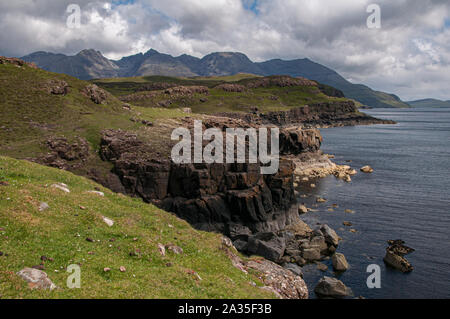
[(151, 52)]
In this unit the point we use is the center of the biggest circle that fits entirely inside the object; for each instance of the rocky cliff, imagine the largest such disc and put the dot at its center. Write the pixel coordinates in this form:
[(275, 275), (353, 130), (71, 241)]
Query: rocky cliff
[(328, 114), (214, 197)]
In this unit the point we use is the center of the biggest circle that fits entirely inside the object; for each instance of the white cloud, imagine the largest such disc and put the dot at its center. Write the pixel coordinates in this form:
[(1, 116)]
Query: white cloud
[(409, 55)]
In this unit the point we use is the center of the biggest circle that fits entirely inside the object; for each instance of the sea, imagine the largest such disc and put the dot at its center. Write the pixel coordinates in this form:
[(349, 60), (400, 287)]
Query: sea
[(407, 197)]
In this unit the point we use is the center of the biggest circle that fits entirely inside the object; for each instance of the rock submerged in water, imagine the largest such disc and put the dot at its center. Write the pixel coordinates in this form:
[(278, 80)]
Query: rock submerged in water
[(367, 169), (332, 288), (302, 209), (395, 256)]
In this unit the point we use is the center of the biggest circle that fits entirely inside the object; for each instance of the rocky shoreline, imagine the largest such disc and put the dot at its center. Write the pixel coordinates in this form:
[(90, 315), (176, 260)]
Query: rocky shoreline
[(259, 213)]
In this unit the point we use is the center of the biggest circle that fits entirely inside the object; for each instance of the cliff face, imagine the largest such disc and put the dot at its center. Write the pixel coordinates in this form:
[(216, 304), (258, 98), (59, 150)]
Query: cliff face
[(336, 113), (213, 197)]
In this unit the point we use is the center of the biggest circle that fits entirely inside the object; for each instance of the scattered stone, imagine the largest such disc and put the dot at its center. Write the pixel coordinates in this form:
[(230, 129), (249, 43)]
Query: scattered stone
[(302, 209), (83, 208), (43, 206), (347, 179), (106, 269), (175, 249), (349, 224), (89, 240), (122, 269), (108, 221), (3, 183), (44, 258), (313, 185), (349, 211), (187, 110), (339, 262), (321, 200), (162, 249), (61, 186), (36, 279), (354, 231), (1, 253), (322, 267), (367, 169), (332, 288), (97, 193)]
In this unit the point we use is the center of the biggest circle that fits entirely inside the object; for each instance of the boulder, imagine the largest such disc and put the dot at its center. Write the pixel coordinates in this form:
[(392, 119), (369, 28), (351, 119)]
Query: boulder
[(284, 281), (332, 288), (367, 169), (319, 241), (330, 235), (96, 94), (62, 187), (297, 270), (108, 221), (398, 262), (267, 245), (302, 209), (339, 262), (37, 279), (236, 231), (311, 254), (395, 256), (43, 206)]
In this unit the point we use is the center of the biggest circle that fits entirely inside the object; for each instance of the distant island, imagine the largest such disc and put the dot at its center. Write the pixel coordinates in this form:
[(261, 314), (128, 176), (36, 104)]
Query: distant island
[(429, 103)]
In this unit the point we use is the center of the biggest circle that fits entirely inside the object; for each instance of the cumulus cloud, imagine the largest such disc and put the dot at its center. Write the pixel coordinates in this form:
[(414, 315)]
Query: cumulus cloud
[(409, 55)]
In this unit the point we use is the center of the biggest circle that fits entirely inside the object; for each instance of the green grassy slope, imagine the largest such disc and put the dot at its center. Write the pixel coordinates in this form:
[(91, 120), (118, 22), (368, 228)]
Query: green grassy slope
[(29, 115), (265, 99), (60, 233)]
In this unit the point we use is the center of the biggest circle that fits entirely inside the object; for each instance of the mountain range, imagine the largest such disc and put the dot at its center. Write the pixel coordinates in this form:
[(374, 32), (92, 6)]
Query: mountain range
[(429, 103), (91, 64)]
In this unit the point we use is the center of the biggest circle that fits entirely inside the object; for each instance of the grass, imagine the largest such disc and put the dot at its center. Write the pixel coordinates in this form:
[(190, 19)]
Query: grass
[(29, 115), (60, 233), (265, 99)]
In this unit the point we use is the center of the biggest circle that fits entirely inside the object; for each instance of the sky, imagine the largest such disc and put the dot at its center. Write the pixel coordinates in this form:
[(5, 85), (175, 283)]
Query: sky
[(409, 55)]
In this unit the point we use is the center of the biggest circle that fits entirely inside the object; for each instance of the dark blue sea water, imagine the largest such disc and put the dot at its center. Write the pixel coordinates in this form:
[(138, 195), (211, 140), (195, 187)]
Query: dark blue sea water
[(407, 197)]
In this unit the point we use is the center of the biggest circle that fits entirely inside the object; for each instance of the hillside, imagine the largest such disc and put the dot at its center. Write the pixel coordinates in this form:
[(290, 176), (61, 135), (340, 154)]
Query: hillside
[(60, 233), (90, 64), (429, 103), (211, 95)]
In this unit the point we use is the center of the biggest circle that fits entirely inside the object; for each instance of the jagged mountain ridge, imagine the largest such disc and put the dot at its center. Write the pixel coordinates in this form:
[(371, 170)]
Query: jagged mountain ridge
[(90, 64)]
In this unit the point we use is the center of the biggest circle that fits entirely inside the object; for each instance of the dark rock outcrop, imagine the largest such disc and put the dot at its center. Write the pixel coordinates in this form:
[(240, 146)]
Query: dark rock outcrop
[(329, 114), (96, 94), (395, 256), (64, 154)]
